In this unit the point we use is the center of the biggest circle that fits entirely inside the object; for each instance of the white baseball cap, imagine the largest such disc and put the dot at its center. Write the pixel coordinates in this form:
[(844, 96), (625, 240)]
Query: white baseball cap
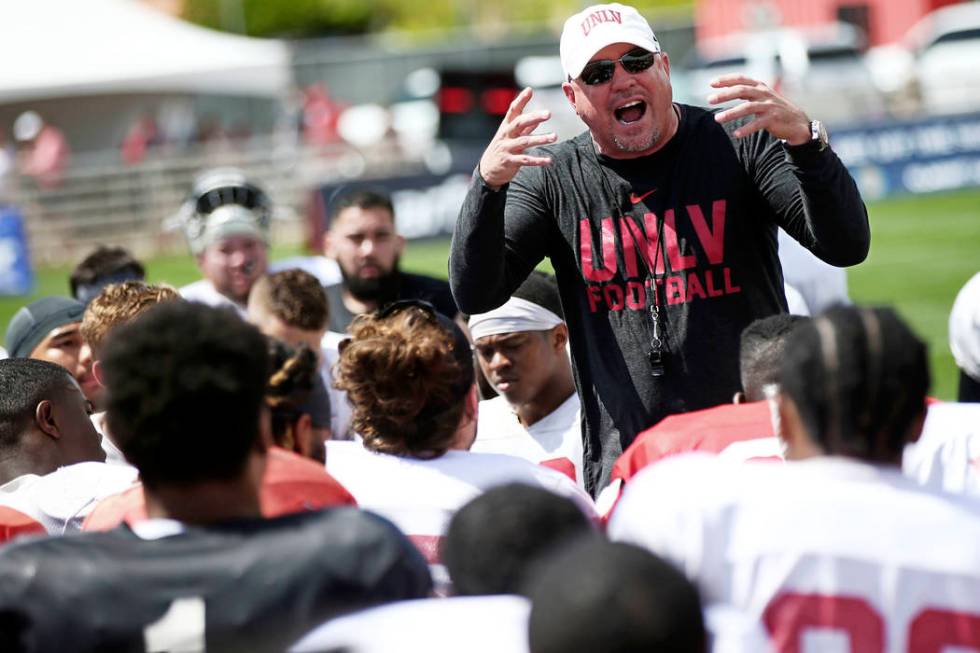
[(964, 328), (597, 26)]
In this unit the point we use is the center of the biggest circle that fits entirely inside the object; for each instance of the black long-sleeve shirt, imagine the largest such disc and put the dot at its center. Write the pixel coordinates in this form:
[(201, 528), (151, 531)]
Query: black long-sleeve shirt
[(696, 221)]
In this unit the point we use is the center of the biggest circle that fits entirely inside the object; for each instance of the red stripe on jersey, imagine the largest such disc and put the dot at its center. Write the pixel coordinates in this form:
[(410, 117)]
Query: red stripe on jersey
[(14, 523), (563, 465)]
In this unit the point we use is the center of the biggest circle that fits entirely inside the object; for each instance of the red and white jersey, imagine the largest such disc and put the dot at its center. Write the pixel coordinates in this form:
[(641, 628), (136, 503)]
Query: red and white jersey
[(554, 441), (947, 454), (290, 484), (735, 432), (475, 624), (62, 499), (828, 554), (14, 524), (421, 496)]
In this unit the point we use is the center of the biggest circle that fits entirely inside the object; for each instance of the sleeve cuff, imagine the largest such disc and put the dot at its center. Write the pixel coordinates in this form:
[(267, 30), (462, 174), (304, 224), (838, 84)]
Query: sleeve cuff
[(478, 178)]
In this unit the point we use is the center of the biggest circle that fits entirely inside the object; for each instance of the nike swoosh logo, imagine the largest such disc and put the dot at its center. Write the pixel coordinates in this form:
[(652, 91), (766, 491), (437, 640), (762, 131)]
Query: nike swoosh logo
[(636, 199)]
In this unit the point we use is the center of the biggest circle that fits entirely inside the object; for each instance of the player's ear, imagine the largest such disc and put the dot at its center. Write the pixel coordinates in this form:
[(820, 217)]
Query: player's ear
[(98, 373), (45, 420), (570, 94), (559, 336), (791, 430)]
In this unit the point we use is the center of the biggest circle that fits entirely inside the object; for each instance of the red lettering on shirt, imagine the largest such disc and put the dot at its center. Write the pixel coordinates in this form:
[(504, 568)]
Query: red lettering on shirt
[(712, 238), (608, 244)]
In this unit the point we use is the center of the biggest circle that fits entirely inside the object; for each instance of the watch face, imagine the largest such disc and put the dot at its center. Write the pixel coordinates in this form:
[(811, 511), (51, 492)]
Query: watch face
[(818, 132)]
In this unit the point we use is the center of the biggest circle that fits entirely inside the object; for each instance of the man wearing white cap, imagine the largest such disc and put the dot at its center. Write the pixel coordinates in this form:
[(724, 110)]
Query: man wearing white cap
[(660, 221), (964, 338), (522, 351), (226, 221)]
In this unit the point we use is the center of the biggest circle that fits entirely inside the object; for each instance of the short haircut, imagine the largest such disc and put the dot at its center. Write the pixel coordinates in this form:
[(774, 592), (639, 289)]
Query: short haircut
[(541, 288), (362, 199), (185, 389), (24, 383), (763, 343), (859, 378), (406, 375), (292, 379), (294, 296), (104, 264), (118, 304), (613, 597), (493, 540)]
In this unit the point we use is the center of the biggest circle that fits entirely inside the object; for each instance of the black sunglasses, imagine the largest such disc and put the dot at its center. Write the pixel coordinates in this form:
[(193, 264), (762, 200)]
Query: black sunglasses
[(599, 72)]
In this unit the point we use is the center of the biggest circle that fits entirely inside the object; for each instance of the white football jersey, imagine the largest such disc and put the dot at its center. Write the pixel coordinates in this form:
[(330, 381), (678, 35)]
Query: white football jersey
[(828, 554), (421, 496), (340, 409), (475, 624), (947, 454), (204, 292), (61, 500), (552, 440)]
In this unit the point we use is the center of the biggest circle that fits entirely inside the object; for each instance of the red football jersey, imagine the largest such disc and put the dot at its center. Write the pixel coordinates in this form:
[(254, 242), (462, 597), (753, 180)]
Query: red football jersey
[(291, 484), (743, 431), (14, 523)]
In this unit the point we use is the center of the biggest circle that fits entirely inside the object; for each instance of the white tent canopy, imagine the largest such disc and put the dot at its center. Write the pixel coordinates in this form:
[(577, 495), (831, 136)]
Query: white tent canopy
[(70, 48)]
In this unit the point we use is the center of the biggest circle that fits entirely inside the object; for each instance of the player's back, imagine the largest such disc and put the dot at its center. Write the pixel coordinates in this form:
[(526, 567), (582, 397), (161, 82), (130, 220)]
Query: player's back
[(249, 585), (421, 496), (816, 550)]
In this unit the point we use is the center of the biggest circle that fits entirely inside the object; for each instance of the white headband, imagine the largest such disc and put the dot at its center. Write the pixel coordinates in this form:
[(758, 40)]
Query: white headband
[(516, 315)]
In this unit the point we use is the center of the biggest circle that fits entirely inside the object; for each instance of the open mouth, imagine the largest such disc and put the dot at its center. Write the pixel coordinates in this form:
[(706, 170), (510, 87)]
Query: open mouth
[(630, 112)]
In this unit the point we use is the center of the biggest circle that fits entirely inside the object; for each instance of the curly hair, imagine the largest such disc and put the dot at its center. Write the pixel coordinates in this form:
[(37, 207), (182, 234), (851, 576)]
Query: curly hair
[(293, 375), (295, 297), (120, 303), (406, 377)]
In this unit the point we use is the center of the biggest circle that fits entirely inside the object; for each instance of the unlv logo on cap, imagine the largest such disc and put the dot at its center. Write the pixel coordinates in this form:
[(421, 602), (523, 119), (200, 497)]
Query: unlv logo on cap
[(601, 16)]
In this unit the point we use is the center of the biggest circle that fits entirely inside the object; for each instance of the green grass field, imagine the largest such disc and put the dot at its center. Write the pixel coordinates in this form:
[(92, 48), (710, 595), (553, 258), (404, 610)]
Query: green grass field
[(923, 250)]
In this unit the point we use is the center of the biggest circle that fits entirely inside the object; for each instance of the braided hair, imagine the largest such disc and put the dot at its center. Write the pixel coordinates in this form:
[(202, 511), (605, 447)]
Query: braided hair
[(859, 378), (292, 380)]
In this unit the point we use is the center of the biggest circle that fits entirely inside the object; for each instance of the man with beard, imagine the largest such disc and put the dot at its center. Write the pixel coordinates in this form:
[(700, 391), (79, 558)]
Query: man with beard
[(660, 221), (226, 221), (363, 241)]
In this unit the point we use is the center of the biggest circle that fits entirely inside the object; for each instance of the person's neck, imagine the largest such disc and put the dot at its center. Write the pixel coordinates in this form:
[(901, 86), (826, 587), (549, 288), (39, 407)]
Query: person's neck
[(357, 306), (15, 464), (205, 502), (547, 402)]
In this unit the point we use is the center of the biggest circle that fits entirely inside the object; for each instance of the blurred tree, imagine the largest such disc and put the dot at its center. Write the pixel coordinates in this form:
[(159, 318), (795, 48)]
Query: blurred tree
[(298, 18), (295, 18)]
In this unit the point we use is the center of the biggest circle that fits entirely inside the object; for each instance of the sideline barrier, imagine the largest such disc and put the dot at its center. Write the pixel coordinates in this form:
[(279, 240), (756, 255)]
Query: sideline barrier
[(16, 273), (930, 154)]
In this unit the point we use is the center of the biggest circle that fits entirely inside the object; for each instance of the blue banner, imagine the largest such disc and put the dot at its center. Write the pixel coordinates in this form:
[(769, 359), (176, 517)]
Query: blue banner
[(16, 274), (937, 153)]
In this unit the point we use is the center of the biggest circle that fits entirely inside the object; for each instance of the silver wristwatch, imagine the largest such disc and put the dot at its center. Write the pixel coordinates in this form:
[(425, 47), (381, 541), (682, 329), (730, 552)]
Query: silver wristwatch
[(818, 134)]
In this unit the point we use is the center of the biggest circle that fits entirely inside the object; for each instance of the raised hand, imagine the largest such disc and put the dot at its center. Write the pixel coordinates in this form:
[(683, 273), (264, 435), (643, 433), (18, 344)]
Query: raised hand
[(505, 154), (771, 111)]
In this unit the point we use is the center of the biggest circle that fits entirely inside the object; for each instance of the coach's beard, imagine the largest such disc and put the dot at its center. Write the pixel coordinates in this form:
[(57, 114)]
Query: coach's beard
[(374, 290)]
